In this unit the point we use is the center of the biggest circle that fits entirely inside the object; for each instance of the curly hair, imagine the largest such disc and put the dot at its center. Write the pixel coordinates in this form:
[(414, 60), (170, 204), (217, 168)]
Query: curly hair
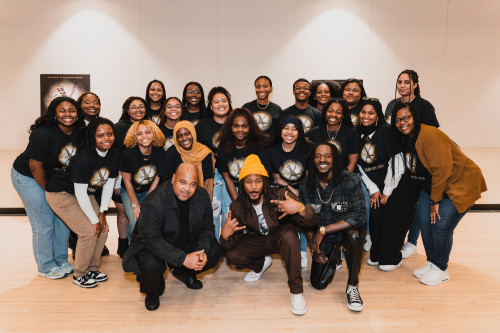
[(201, 103), (89, 142), (358, 82), (210, 98), (332, 86), (163, 115), (49, 118), (337, 167), (125, 107), (346, 120), (256, 140), (131, 138)]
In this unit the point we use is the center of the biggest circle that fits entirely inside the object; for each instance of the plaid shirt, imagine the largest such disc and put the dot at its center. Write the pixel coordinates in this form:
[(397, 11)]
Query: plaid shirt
[(347, 203)]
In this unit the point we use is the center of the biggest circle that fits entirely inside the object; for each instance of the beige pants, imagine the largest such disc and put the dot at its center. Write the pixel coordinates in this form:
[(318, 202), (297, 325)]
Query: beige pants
[(88, 248)]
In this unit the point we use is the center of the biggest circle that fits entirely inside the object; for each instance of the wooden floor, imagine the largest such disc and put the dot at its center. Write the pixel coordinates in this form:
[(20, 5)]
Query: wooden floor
[(394, 301)]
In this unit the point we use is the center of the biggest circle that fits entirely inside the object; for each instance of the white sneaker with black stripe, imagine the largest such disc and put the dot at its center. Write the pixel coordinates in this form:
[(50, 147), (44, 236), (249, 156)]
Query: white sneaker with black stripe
[(97, 276), (85, 281), (354, 301)]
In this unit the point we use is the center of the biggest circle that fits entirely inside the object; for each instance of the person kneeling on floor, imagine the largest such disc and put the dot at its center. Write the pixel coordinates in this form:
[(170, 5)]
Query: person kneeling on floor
[(336, 196), (175, 227), (263, 221)]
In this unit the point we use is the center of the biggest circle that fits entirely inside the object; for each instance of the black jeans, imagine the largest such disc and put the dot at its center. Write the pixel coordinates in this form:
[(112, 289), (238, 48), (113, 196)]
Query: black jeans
[(151, 280), (352, 241)]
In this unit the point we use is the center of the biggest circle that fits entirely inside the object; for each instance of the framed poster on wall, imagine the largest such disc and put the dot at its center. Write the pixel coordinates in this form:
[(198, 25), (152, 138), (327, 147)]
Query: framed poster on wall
[(56, 85)]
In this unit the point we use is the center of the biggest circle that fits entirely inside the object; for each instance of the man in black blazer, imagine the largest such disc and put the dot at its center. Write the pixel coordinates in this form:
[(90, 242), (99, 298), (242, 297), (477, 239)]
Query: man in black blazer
[(175, 227)]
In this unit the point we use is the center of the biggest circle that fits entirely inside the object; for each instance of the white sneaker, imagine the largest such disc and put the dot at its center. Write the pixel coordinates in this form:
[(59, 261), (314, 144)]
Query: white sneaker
[(435, 276), (388, 268), (298, 304), (368, 244), (54, 273), (408, 250), (372, 263), (304, 262), (252, 276), (420, 272)]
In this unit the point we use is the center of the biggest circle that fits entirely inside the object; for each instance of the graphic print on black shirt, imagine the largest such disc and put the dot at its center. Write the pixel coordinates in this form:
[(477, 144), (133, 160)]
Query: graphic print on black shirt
[(231, 164), (208, 132), (94, 170), (291, 166), (418, 172), (309, 117), (142, 170), (169, 136), (375, 155)]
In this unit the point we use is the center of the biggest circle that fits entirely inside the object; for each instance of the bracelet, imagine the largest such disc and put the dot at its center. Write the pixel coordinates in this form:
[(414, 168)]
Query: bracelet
[(134, 206), (301, 208), (322, 230), (435, 202)]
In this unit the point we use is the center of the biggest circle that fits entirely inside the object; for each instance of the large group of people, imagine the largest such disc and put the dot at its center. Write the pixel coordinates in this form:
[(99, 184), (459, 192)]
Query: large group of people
[(195, 181)]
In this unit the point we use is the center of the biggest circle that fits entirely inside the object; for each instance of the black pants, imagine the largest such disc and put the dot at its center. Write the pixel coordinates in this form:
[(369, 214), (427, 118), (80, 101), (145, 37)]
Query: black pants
[(151, 280), (352, 241), (389, 223)]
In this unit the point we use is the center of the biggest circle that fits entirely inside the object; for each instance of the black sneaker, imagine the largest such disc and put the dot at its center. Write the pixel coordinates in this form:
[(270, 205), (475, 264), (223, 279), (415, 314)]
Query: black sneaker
[(97, 276), (152, 302), (354, 301), (84, 281)]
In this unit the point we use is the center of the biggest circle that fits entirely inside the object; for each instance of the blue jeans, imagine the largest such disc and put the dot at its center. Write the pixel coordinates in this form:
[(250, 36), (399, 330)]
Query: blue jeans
[(127, 205), (414, 231), (438, 237), (220, 202), (50, 234), (366, 194)]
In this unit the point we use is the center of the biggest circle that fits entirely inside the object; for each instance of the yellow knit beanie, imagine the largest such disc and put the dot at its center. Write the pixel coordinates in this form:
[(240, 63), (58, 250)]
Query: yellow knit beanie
[(252, 166)]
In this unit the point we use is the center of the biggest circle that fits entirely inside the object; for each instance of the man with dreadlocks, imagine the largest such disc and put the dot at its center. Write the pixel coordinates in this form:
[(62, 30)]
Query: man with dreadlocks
[(336, 196), (262, 221)]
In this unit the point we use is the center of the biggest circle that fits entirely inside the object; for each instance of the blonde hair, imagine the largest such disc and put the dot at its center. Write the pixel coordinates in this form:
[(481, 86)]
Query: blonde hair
[(131, 138)]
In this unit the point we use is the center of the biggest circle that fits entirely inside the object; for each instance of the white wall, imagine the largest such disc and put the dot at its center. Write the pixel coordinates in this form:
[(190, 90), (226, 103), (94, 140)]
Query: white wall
[(123, 44)]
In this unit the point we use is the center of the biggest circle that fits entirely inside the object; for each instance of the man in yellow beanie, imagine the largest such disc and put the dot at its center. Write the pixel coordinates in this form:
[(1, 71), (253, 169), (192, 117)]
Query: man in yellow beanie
[(262, 221)]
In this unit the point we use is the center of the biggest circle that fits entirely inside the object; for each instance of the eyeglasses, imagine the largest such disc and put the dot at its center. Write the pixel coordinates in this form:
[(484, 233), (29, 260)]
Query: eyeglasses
[(174, 107), (370, 99), (403, 119), (191, 91), (135, 108)]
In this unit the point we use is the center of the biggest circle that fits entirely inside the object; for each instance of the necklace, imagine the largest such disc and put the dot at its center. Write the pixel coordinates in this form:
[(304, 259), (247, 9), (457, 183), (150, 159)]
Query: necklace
[(333, 134), (146, 157), (319, 196), (265, 107)]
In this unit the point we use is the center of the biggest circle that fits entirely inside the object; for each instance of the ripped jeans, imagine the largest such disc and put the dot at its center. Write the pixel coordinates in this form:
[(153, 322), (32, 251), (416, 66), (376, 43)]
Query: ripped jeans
[(220, 203)]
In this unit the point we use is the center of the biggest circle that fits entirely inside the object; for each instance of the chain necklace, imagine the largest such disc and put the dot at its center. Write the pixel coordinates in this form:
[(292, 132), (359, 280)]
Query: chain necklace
[(330, 198), (146, 157), (265, 107), (333, 134)]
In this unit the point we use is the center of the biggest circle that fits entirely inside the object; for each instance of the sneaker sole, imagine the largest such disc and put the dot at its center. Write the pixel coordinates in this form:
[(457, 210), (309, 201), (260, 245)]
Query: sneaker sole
[(257, 278), (390, 269), (101, 280), (80, 285), (371, 263), (355, 308), (406, 256), (52, 277), (298, 312), (434, 283)]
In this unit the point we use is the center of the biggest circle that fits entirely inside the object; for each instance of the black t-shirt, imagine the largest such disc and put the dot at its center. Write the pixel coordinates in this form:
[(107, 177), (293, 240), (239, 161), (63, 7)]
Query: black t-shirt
[(291, 166), (172, 159), (53, 148), (347, 140), (354, 114), (193, 117), (375, 155), (155, 116), (121, 128), (266, 117), (310, 117), (22, 162), (142, 170), (424, 109), (184, 239), (169, 136), (418, 172), (231, 164), (207, 132), (93, 169)]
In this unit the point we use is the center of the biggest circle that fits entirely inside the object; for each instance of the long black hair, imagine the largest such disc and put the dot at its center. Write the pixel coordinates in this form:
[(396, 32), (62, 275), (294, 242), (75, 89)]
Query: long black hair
[(337, 167), (89, 142), (346, 120), (49, 118), (163, 100), (413, 78), (201, 103), (244, 199)]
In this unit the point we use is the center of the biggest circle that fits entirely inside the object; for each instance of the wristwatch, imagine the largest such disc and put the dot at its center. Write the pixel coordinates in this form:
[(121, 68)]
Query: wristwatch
[(301, 208), (322, 230)]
